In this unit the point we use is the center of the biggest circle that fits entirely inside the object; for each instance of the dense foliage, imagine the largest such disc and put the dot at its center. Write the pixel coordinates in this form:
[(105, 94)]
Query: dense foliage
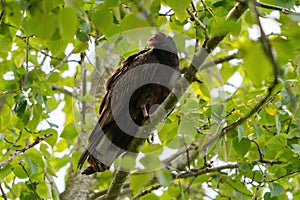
[(235, 133)]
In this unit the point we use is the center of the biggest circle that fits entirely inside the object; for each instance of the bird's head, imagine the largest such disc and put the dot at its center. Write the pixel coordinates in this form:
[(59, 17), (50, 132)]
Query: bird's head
[(162, 41)]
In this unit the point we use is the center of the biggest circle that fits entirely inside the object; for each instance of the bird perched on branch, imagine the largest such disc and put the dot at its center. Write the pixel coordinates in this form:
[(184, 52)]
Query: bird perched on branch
[(133, 92)]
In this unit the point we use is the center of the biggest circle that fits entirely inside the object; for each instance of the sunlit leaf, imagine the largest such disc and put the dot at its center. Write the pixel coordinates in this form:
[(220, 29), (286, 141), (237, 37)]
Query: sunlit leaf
[(44, 190), (68, 23), (69, 131)]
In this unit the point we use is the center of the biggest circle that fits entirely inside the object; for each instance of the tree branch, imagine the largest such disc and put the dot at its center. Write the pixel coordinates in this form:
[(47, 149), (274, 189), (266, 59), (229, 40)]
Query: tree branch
[(144, 192), (78, 184), (198, 22), (261, 156), (218, 61), (64, 91), (272, 7), (13, 155), (201, 170)]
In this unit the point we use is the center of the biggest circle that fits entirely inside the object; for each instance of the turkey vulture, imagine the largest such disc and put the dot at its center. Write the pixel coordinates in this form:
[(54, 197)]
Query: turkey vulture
[(133, 92)]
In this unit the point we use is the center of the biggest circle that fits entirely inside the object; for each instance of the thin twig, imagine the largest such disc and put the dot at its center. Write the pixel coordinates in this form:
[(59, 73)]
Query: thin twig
[(13, 155), (273, 7), (283, 176), (144, 192), (2, 14), (201, 170), (83, 88), (63, 90), (197, 30), (188, 188), (2, 192), (261, 156), (168, 13), (13, 144), (218, 61), (199, 23), (31, 183), (260, 185)]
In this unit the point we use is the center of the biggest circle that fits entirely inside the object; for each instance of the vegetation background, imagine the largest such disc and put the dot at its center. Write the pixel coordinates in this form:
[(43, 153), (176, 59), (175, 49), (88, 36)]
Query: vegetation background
[(240, 127)]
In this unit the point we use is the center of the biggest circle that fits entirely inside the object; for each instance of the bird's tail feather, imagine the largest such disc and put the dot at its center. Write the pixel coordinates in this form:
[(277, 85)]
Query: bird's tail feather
[(83, 157)]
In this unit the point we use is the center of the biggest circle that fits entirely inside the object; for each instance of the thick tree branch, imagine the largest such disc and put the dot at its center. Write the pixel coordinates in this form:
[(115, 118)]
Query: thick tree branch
[(78, 184), (13, 155)]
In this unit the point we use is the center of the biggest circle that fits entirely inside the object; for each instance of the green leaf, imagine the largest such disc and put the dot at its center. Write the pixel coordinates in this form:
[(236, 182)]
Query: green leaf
[(20, 105), (61, 145), (179, 8), (240, 131), (222, 27), (41, 24), (138, 181), (82, 36), (149, 196), (257, 129), (69, 132), (44, 191), (103, 13), (19, 172), (245, 167), (296, 148), (164, 177), (241, 186), (167, 132), (52, 139), (132, 21), (277, 142), (258, 72), (285, 3), (5, 171), (242, 146), (36, 115), (68, 23), (151, 162), (276, 189), (34, 155), (58, 163)]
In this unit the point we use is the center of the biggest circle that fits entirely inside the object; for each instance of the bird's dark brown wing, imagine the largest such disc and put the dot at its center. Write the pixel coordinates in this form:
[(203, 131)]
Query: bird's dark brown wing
[(119, 87)]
